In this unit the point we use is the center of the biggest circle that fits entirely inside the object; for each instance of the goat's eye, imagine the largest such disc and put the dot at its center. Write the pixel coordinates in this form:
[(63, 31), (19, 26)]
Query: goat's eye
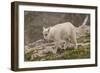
[(45, 34)]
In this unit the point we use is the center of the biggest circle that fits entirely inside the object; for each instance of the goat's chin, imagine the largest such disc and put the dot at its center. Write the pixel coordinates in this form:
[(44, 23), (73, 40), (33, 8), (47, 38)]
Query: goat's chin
[(48, 41)]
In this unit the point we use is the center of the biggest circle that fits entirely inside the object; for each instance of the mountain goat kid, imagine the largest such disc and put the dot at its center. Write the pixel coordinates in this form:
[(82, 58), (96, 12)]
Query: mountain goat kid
[(64, 32)]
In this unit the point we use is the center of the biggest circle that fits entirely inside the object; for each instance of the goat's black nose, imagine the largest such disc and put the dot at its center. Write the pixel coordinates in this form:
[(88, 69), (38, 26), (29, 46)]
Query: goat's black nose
[(44, 40)]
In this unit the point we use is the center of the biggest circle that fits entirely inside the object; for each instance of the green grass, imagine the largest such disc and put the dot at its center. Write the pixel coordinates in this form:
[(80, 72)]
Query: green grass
[(27, 56)]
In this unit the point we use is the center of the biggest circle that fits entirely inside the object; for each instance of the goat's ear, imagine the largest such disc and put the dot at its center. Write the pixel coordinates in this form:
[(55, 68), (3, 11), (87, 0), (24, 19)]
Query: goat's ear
[(49, 29), (43, 28)]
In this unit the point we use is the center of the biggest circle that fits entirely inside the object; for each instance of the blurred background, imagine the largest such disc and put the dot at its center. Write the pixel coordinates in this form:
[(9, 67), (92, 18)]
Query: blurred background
[(34, 21)]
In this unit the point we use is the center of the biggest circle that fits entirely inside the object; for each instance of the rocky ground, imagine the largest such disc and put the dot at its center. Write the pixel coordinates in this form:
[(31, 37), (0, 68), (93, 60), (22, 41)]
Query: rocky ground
[(41, 50)]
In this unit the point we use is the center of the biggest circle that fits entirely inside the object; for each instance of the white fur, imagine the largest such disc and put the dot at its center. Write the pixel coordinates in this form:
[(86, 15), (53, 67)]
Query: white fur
[(62, 32), (65, 31)]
